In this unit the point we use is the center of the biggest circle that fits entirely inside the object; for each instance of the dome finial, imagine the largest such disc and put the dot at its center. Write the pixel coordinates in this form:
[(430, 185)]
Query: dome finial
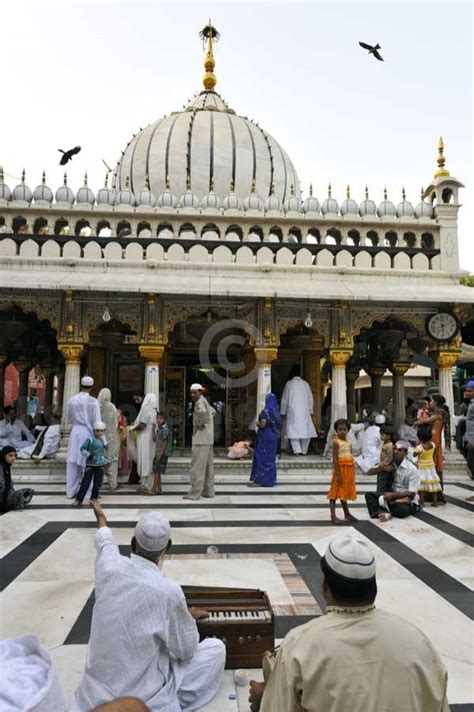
[(441, 160), (188, 181), (209, 33), (232, 185), (310, 190), (167, 183), (348, 191), (65, 178), (385, 192), (422, 193), (272, 188), (147, 182), (211, 185), (23, 176), (85, 178), (106, 182), (252, 189), (403, 193), (292, 189), (127, 183), (329, 190), (43, 177), (366, 192)]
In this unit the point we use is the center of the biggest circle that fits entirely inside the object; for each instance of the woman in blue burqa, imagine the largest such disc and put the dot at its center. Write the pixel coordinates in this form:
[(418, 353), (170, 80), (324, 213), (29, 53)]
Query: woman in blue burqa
[(264, 471)]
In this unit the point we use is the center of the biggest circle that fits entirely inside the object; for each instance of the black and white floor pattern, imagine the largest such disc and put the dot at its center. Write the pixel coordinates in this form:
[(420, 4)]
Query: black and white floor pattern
[(268, 539)]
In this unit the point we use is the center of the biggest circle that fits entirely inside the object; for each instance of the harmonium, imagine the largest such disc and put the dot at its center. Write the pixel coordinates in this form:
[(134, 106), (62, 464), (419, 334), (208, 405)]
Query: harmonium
[(241, 617)]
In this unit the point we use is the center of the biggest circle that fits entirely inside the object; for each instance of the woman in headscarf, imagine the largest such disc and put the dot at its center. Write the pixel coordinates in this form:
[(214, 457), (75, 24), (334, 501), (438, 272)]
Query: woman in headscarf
[(264, 471), (10, 498), (145, 444), (109, 415)]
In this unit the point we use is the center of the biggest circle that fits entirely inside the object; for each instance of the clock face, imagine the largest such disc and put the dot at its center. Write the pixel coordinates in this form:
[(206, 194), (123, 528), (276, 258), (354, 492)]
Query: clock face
[(442, 326)]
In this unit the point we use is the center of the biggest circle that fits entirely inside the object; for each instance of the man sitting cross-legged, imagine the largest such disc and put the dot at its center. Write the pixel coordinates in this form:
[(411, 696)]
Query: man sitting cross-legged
[(403, 500), (144, 641), (356, 657)]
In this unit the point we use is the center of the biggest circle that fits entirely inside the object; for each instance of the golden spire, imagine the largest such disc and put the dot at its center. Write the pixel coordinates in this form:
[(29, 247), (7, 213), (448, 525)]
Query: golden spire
[(292, 189), (252, 189), (43, 178), (442, 172), (23, 176), (348, 191), (385, 192), (65, 178), (272, 188), (147, 182), (403, 193), (310, 190), (211, 185), (329, 190), (188, 181), (85, 178), (232, 185), (210, 34), (127, 183), (106, 182), (366, 192), (167, 183)]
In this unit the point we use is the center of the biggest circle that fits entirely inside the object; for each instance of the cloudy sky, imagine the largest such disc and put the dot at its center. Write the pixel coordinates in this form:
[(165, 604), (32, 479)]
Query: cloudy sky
[(94, 73)]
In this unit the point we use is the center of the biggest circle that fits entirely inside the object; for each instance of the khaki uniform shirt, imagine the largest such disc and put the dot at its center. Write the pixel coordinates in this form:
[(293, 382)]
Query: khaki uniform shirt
[(203, 423), (370, 661)]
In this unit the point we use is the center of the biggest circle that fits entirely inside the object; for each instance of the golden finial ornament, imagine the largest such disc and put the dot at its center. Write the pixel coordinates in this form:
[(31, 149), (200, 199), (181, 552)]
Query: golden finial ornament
[(292, 189), (385, 192), (329, 190), (442, 172), (252, 189), (1, 174), (403, 194), (167, 183), (127, 183), (348, 192), (147, 182), (211, 185), (65, 178), (106, 181), (188, 181), (310, 190), (43, 178), (422, 193), (272, 188), (209, 34), (85, 178), (232, 185), (366, 192), (23, 176)]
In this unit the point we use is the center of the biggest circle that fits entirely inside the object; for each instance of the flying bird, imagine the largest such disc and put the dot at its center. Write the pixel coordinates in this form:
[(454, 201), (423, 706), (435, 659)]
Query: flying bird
[(67, 155), (373, 50)]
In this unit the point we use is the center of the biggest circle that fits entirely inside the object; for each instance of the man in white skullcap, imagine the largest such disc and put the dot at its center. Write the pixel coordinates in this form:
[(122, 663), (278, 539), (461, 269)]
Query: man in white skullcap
[(201, 474), (144, 641), (403, 498), (355, 657), (82, 412), (371, 443)]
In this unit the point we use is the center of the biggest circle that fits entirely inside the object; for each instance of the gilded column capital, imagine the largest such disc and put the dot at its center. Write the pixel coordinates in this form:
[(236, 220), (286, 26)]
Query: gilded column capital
[(377, 372), (339, 357), (71, 352), (151, 353), (447, 359), (399, 368), (266, 355)]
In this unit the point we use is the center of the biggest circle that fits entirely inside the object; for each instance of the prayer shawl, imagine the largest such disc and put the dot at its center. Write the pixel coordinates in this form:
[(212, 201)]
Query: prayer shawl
[(145, 443), (141, 633), (352, 661), (297, 405), (28, 680), (46, 445), (109, 415), (82, 412)]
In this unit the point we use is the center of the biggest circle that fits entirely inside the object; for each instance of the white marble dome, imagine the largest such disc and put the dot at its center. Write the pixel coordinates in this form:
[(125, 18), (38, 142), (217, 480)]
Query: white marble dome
[(232, 200), (42, 193), (64, 194), (84, 195), (211, 201), (189, 199), (253, 201), (311, 205), (22, 191), (167, 199), (208, 142), (5, 192), (349, 206), (386, 207), (405, 208), (292, 204), (273, 203), (125, 196), (330, 204), (367, 206), (145, 197), (106, 195), (424, 209)]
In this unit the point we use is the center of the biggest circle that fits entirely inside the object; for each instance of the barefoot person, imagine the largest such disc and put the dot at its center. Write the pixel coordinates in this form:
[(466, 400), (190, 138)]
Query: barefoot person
[(403, 500), (82, 412), (343, 475), (161, 436), (350, 658), (202, 452), (144, 641)]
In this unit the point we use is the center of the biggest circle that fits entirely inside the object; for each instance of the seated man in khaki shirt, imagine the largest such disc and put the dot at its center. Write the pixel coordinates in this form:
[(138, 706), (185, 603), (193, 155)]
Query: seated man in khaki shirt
[(355, 657)]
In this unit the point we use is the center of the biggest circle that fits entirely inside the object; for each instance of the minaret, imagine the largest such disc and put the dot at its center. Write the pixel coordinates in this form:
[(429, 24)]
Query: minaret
[(443, 192)]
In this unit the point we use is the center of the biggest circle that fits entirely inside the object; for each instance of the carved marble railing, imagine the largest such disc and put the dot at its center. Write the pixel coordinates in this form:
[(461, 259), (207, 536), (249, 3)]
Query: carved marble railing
[(220, 251)]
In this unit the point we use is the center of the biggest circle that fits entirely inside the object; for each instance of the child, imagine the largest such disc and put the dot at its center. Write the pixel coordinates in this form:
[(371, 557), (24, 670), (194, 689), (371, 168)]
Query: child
[(381, 469), (161, 436), (343, 476), (94, 448), (239, 450), (429, 479)]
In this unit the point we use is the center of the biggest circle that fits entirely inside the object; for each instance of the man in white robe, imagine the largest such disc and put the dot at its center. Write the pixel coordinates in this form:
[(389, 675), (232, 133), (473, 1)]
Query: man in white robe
[(144, 641), (371, 444), (356, 657), (82, 412), (297, 405), (13, 429), (46, 444)]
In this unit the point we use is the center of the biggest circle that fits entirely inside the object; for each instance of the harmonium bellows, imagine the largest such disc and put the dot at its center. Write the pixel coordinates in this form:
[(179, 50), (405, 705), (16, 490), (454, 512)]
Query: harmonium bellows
[(241, 617)]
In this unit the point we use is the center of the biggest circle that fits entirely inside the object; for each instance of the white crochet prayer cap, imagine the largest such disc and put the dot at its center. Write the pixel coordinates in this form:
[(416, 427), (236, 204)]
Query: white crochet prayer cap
[(87, 381), (402, 443), (152, 531), (196, 387), (351, 557), (99, 425), (379, 419)]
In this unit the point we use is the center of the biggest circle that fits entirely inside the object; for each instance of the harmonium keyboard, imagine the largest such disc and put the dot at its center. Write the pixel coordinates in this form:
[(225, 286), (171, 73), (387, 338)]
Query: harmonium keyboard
[(241, 617)]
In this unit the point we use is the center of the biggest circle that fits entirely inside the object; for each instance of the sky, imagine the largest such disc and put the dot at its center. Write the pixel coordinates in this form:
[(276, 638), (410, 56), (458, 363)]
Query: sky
[(94, 73)]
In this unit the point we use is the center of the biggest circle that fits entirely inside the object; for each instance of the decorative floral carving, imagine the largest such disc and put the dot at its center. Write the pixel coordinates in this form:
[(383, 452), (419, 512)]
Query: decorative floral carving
[(265, 356), (447, 359), (151, 353), (339, 357), (71, 352)]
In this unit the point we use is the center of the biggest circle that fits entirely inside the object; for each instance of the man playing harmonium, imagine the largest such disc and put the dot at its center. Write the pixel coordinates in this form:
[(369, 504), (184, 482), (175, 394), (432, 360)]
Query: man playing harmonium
[(355, 657), (144, 641)]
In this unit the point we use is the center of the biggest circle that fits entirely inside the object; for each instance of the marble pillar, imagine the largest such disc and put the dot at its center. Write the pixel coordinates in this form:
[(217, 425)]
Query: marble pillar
[(264, 357), (72, 378), (398, 370), (446, 360), (312, 373), (338, 359), (152, 355), (376, 386), (48, 374), (351, 378), (23, 368)]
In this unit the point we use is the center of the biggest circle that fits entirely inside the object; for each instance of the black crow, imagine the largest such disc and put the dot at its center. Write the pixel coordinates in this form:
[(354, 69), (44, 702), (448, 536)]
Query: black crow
[(67, 155), (373, 50)]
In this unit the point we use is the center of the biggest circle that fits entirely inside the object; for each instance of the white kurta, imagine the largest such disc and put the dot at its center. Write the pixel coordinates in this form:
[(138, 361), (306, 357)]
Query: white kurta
[(28, 680), (11, 434), (371, 447), (143, 640), (83, 411), (145, 442), (50, 445), (297, 405)]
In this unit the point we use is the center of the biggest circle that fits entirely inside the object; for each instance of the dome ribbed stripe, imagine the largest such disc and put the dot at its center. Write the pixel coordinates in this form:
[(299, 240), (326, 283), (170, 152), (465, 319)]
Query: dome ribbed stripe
[(272, 169), (167, 151), (283, 158), (190, 140), (254, 153), (140, 135), (211, 149), (232, 133)]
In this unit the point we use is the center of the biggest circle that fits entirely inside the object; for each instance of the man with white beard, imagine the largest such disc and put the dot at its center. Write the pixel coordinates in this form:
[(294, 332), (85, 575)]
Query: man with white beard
[(82, 412)]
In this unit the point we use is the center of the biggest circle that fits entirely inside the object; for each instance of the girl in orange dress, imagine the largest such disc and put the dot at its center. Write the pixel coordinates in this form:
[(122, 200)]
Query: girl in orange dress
[(343, 476)]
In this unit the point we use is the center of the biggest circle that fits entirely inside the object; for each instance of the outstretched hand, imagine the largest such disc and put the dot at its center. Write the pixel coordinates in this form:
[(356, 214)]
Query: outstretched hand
[(99, 513)]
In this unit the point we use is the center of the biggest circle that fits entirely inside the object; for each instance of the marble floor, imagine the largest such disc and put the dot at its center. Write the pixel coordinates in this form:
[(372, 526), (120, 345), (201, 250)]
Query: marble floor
[(270, 540)]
